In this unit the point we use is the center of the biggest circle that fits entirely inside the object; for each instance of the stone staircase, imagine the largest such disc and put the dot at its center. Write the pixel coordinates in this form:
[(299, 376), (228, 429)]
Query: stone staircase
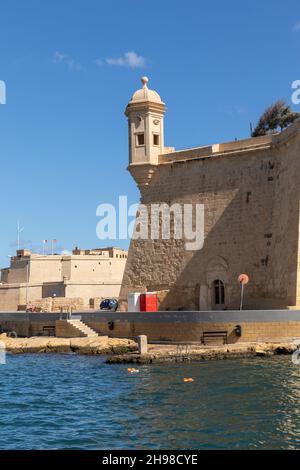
[(83, 329), (73, 328)]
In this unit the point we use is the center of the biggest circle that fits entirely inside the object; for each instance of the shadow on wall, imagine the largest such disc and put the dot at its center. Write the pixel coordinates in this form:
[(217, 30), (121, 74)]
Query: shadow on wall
[(253, 229)]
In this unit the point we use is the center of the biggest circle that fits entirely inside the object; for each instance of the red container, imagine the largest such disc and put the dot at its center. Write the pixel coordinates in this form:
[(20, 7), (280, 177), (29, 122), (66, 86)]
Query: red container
[(148, 302)]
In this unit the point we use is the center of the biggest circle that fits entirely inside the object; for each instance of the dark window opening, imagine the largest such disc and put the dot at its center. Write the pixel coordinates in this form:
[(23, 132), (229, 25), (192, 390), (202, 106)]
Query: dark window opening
[(141, 139), (155, 139), (219, 292)]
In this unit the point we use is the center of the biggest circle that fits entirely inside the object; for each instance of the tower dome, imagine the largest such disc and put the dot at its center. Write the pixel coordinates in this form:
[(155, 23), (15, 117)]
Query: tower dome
[(144, 94)]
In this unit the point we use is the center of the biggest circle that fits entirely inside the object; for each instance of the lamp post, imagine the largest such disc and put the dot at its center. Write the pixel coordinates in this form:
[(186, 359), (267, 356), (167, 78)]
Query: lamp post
[(44, 243), (27, 281)]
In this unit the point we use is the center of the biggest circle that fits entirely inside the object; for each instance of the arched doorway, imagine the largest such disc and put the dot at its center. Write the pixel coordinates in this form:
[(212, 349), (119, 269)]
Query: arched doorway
[(212, 290), (218, 294)]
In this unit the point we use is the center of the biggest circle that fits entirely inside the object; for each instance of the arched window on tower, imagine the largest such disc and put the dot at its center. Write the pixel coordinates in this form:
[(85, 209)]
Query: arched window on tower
[(219, 292)]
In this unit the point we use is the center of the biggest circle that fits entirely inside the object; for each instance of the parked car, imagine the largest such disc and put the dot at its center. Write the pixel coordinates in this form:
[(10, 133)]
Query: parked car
[(109, 304)]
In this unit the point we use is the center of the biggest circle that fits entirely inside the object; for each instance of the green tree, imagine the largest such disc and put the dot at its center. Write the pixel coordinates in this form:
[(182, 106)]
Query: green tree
[(277, 116)]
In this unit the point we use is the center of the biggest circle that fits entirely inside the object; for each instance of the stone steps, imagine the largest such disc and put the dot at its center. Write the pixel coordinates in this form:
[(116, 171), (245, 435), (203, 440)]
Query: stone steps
[(84, 329)]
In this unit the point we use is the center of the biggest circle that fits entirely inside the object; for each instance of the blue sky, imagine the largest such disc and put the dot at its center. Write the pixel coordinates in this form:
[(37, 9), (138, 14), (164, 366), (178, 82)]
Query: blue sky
[(63, 135)]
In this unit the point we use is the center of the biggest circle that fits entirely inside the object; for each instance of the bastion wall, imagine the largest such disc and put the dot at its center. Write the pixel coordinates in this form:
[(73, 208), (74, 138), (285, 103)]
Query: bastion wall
[(256, 325), (250, 195)]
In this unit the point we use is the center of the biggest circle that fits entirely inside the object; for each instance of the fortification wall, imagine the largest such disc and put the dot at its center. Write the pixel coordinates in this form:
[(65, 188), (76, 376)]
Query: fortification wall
[(251, 203), (277, 325)]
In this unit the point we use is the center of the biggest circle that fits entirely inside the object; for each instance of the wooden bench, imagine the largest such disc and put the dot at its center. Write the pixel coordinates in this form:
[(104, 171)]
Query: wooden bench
[(48, 331), (214, 334)]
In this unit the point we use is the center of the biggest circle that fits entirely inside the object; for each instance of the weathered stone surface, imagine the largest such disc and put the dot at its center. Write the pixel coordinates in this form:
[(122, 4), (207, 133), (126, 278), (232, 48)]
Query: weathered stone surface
[(251, 221), (97, 345), (260, 352), (161, 354), (142, 344), (77, 343), (121, 345), (90, 345), (286, 349), (125, 350)]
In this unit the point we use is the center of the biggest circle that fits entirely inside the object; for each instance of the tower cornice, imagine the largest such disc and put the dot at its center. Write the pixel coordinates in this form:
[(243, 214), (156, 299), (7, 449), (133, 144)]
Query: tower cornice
[(151, 106)]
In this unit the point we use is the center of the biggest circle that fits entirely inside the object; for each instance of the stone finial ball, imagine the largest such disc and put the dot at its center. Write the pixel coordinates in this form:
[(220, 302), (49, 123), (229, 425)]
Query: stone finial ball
[(144, 80)]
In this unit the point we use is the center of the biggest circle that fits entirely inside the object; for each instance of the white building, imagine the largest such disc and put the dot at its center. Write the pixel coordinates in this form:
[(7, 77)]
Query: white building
[(85, 274)]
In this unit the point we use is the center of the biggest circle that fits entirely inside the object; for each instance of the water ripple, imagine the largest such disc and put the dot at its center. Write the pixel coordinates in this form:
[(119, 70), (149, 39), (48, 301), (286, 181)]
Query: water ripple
[(78, 402)]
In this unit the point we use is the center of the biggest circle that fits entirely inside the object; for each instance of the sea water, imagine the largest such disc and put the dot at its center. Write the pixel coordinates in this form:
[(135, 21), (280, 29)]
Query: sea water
[(56, 401)]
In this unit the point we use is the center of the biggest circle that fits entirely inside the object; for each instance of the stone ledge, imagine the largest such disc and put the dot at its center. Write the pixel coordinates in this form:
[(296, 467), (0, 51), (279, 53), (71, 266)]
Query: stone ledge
[(90, 346), (162, 355)]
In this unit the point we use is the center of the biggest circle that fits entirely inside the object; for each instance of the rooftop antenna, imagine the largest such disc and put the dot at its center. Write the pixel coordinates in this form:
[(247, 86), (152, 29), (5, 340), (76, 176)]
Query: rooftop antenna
[(19, 231), (44, 243), (53, 242)]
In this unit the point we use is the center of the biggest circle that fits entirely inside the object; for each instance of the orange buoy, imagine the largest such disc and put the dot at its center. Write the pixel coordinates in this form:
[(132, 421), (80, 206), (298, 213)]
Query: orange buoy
[(189, 379)]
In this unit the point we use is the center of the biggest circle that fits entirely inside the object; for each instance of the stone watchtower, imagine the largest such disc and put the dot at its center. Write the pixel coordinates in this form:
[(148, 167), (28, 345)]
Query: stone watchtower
[(145, 112)]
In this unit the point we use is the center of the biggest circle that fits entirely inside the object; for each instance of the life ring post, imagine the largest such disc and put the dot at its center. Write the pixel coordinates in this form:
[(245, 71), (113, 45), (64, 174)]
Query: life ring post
[(243, 279)]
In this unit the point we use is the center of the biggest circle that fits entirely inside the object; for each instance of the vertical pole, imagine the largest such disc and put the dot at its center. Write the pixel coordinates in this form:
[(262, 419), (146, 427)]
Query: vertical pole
[(53, 242), (242, 295), (19, 230), (18, 236), (27, 280)]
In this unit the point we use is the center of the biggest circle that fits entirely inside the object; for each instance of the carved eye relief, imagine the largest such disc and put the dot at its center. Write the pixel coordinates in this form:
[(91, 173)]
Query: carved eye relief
[(138, 121)]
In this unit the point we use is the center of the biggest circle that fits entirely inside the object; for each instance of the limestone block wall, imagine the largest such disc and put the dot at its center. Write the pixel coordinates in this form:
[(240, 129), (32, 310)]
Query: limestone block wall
[(83, 275), (63, 329), (45, 269), (43, 305), (9, 298), (16, 273), (90, 291), (188, 326), (94, 269), (21, 327), (13, 295), (27, 324), (256, 332), (95, 302), (65, 304), (251, 204), (57, 304)]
